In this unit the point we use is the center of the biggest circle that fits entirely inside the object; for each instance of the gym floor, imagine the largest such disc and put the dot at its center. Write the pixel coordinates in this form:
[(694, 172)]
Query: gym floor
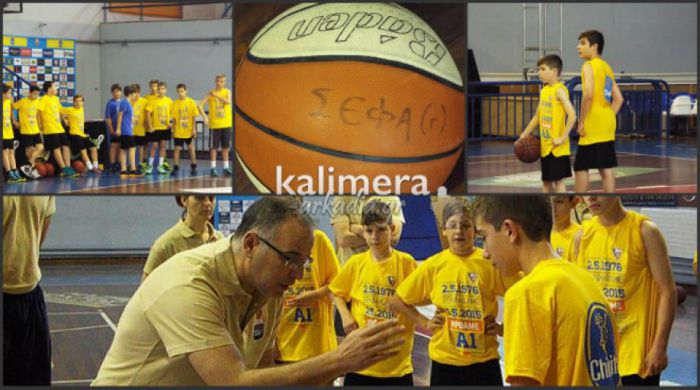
[(85, 302)]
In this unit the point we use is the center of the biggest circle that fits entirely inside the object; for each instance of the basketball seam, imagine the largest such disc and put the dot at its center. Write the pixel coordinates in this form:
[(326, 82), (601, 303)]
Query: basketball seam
[(339, 153), (342, 57)]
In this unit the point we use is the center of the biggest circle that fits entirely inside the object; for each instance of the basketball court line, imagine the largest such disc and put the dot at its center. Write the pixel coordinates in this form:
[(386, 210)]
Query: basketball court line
[(79, 328), (619, 154), (108, 320)]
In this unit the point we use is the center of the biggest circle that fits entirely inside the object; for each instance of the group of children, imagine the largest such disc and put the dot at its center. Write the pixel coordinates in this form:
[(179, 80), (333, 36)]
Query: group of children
[(555, 116), (137, 122), (133, 123), (594, 307)]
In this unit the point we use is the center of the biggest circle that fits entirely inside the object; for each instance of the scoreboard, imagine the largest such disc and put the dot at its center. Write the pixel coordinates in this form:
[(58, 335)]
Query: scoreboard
[(40, 59)]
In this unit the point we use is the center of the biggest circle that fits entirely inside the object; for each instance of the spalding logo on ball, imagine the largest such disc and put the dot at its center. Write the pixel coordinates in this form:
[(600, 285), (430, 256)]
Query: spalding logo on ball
[(330, 97)]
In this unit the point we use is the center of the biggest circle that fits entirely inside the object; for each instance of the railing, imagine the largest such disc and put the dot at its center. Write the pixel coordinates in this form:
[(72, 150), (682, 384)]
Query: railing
[(505, 110), (18, 95)]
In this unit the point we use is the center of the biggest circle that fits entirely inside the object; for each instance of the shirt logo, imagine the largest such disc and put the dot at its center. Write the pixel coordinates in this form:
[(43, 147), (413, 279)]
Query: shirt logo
[(617, 252), (258, 326), (473, 276), (601, 353), (391, 280)]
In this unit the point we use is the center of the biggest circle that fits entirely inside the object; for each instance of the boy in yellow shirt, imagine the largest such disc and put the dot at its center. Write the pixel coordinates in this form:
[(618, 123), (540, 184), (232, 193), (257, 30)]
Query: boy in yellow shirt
[(305, 329), (161, 110), (554, 131), (76, 128), (464, 287), (8, 138), (55, 137), (142, 123), (558, 327), (185, 111), (368, 280), (627, 255), (220, 122), (563, 229), (30, 137), (600, 101)]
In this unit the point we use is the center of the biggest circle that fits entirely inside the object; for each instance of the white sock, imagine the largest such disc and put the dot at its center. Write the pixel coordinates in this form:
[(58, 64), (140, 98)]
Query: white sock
[(213, 163), (95, 164), (89, 166), (150, 161), (225, 164)]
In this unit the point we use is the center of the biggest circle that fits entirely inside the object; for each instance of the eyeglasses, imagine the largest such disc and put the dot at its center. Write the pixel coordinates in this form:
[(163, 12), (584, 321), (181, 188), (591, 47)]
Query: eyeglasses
[(291, 262)]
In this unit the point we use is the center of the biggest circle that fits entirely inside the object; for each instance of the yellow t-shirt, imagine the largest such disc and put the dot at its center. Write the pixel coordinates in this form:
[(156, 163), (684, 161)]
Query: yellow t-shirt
[(28, 110), (23, 220), (552, 121), (192, 302), (219, 113), (50, 110), (184, 114), (558, 328), (161, 111), (616, 257), (466, 289), (76, 120), (7, 132), (369, 284), (560, 240), (178, 238), (305, 332), (600, 123), (139, 121)]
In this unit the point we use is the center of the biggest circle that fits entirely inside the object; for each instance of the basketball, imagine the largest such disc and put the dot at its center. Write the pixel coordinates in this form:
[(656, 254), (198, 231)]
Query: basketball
[(50, 169), (41, 169), (79, 166), (527, 149), (681, 293), (360, 90)]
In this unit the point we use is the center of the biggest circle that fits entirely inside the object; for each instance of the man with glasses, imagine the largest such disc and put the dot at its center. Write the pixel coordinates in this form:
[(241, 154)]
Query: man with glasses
[(208, 316)]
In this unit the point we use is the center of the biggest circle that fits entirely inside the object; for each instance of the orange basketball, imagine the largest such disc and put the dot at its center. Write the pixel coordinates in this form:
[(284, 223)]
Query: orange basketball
[(50, 169), (365, 91), (527, 149), (41, 169), (78, 166)]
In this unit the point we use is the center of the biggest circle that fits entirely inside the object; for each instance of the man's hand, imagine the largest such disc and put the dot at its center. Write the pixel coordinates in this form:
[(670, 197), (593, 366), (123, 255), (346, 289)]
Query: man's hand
[(656, 361), (369, 345)]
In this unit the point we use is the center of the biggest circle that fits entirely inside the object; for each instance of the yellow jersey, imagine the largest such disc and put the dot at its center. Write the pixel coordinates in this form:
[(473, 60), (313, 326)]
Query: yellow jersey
[(220, 115), (465, 289), (369, 284), (28, 110), (305, 332), (600, 123), (76, 120), (560, 240), (616, 257), (161, 111), (139, 120), (558, 328), (184, 113), (7, 132), (50, 112), (553, 121)]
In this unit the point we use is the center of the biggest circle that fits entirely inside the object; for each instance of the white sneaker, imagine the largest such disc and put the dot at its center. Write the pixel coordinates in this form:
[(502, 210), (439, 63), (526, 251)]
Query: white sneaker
[(34, 174), (26, 170)]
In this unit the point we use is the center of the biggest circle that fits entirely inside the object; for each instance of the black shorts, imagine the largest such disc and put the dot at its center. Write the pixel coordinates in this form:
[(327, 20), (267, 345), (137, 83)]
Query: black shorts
[(161, 135), (27, 140), (113, 138), (355, 379), (555, 168), (182, 141), (8, 143), (26, 342), (595, 156), (140, 140), (221, 138), (127, 142), (479, 374), (636, 380), (80, 143), (55, 141)]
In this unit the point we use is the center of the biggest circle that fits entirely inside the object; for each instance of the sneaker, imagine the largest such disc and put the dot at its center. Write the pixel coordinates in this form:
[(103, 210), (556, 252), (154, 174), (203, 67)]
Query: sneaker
[(228, 172), (167, 166), (19, 177), (162, 169), (193, 171), (72, 172), (96, 169), (137, 173), (175, 171), (65, 172), (214, 172), (13, 177), (26, 170), (124, 175), (115, 168), (148, 170), (34, 174), (142, 166)]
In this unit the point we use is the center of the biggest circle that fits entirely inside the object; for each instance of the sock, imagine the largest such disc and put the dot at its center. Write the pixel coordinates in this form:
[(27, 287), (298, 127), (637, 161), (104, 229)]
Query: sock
[(150, 161), (89, 166), (95, 164), (225, 164), (213, 163)]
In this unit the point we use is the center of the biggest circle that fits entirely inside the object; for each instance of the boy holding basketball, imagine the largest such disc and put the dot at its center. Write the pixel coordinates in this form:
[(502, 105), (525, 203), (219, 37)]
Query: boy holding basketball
[(76, 129), (368, 280), (550, 116), (601, 100)]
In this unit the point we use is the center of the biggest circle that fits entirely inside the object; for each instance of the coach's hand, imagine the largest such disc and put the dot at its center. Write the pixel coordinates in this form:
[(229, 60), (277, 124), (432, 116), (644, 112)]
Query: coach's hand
[(656, 361), (369, 345)]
